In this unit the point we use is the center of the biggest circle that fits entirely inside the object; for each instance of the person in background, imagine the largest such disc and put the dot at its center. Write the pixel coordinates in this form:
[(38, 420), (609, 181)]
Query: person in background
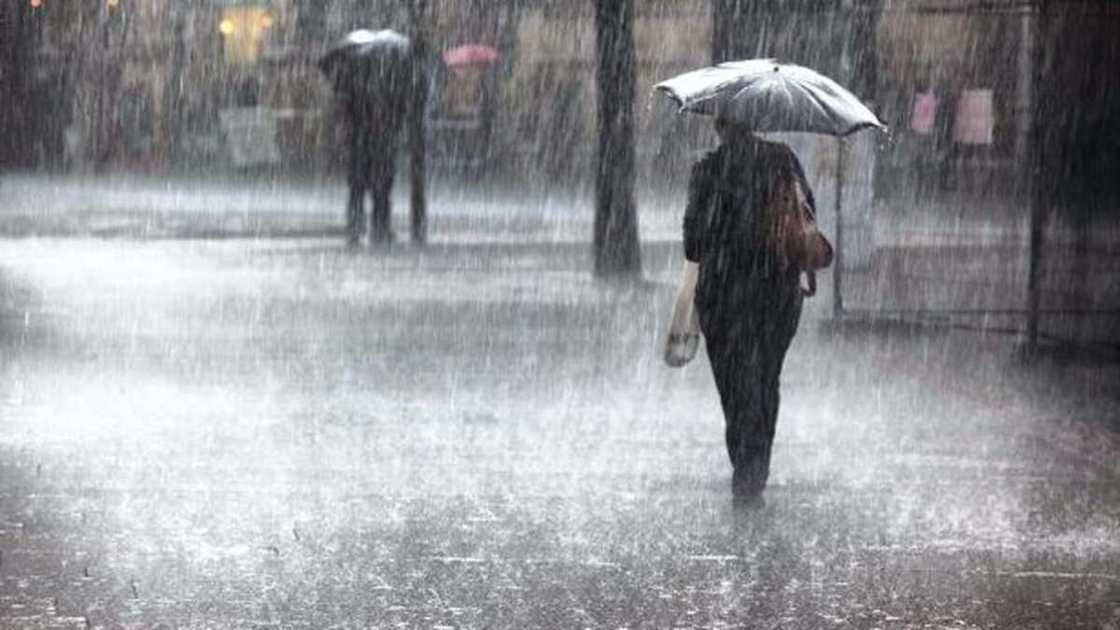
[(375, 104)]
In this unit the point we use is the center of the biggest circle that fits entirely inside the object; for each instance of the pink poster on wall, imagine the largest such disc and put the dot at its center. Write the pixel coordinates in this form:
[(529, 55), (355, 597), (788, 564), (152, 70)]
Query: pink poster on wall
[(923, 113), (975, 119)]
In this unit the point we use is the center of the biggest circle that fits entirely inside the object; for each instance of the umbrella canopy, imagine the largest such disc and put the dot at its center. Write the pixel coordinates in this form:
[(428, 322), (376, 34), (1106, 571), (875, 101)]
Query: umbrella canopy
[(365, 54), (767, 96), (470, 55)]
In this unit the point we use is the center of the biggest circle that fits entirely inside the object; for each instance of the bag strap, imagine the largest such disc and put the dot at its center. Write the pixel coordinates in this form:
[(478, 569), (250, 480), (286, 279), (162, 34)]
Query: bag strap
[(811, 278)]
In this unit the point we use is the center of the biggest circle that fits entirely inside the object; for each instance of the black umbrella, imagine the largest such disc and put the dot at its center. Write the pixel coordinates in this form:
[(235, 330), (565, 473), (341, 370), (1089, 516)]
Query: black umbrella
[(367, 60), (768, 96)]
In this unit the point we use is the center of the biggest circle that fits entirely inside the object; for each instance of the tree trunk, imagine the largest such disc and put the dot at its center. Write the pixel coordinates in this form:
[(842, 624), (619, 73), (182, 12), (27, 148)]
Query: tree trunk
[(615, 241), (417, 137), (17, 42)]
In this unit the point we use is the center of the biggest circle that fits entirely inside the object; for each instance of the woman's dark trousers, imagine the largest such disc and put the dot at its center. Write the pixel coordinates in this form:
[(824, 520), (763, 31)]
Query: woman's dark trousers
[(747, 346)]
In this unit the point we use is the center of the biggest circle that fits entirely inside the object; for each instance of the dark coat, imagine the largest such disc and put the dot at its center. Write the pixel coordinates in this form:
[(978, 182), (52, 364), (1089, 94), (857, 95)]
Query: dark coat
[(724, 219), (377, 97), (748, 303)]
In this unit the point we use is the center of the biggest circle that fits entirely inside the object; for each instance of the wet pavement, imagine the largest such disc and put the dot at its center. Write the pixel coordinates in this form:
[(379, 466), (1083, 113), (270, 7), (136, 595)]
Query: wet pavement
[(279, 433)]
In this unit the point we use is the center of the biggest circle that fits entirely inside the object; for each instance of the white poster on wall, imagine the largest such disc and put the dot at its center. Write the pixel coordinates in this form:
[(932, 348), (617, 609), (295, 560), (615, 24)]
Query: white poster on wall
[(250, 134), (975, 118), (923, 113)]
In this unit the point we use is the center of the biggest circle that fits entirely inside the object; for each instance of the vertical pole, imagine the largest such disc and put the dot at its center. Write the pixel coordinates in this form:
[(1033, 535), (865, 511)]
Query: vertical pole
[(173, 95), (100, 140), (417, 139), (1037, 198), (499, 138), (1024, 86), (838, 261), (1034, 273)]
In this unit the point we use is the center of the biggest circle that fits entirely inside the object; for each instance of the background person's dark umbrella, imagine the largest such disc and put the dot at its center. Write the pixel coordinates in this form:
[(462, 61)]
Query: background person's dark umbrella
[(768, 96), (366, 59)]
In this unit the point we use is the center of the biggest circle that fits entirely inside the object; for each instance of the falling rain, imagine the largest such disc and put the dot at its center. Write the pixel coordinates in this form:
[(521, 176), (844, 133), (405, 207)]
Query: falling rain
[(505, 314)]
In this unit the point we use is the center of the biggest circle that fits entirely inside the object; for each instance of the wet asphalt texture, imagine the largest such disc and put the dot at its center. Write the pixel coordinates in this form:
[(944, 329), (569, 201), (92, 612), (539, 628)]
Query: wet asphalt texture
[(280, 433)]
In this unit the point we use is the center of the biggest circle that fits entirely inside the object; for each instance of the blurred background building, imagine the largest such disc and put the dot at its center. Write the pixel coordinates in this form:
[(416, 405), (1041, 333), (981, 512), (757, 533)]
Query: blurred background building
[(163, 85), (143, 85)]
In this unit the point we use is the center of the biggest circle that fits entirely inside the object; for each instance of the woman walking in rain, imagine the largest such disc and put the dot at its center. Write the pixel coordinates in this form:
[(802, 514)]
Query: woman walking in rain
[(750, 225), (748, 298)]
